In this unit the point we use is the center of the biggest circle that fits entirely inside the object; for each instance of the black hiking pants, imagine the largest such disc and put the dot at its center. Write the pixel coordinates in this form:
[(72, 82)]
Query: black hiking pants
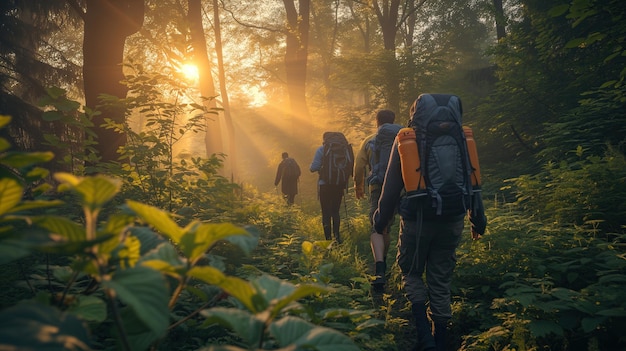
[(330, 201)]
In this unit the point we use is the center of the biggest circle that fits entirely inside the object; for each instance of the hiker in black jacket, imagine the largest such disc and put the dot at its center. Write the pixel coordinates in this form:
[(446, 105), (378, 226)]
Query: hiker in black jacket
[(288, 172)]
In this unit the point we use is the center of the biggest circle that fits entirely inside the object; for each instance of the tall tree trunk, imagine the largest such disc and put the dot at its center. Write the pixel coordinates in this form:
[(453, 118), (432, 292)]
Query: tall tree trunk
[(388, 15), (213, 139), (232, 145), (500, 19), (107, 25), (296, 52)]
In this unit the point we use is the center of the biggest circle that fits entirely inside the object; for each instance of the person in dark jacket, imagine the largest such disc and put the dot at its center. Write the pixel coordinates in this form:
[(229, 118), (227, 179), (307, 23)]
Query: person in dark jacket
[(427, 243), (288, 172)]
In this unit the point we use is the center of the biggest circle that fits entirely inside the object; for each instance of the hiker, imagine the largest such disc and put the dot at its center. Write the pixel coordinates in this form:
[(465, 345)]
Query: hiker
[(373, 155), (288, 172), (429, 235), (334, 162)]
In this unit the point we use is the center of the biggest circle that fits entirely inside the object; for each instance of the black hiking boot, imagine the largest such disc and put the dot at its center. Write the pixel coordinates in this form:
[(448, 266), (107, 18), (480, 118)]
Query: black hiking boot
[(425, 339), (379, 278), (441, 330)]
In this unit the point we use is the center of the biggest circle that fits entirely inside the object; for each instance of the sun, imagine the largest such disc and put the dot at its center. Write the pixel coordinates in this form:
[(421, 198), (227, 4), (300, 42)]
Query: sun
[(190, 71)]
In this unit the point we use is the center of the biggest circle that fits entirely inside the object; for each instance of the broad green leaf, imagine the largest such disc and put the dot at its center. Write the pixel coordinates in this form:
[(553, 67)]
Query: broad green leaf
[(94, 191), (613, 312), (4, 120), (145, 291), (51, 116), (21, 159), (10, 194), (292, 330), (246, 325), (159, 219), (370, 323), (281, 293), (61, 227), (300, 292), (195, 243), (307, 248), (247, 242), (149, 239), (591, 324), (34, 326), (37, 204), (164, 252), (129, 253), (238, 288), (558, 10), (89, 308), (4, 144), (13, 249), (574, 43), (543, 328)]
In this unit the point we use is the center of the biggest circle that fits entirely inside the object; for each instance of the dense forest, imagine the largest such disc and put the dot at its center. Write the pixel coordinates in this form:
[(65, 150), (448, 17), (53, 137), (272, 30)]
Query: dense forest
[(139, 141)]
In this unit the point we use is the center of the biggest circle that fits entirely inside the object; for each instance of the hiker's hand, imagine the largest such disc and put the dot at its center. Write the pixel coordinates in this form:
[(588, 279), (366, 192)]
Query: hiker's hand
[(360, 193), (475, 235)]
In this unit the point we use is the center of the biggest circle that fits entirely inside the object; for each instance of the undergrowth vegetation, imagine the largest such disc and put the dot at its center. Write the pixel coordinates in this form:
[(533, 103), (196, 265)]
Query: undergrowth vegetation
[(161, 254)]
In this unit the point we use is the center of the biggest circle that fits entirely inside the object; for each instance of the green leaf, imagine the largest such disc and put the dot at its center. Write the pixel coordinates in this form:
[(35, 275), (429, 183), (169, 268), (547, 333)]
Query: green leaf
[(613, 312), (543, 328), (20, 159), (279, 293), (159, 219), (166, 260), (61, 227), (10, 194), (236, 287), (4, 144), (51, 116), (13, 249), (591, 324), (195, 243), (4, 120), (246, 325), (37, 204), (34, 326), (145, 291), (89, 308), (295, 331), (94, 191), (558, 10), (574, 43)]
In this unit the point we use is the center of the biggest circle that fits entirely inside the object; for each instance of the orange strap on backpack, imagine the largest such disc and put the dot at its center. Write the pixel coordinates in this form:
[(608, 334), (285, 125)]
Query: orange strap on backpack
[(473, 155)]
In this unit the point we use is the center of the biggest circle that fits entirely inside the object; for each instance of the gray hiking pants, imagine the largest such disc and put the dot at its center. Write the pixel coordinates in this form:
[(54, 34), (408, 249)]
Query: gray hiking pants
[(433, 250)]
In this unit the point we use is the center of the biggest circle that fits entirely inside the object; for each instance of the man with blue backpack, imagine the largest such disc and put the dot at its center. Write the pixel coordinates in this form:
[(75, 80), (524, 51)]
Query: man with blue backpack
[(373, 156), (334, 162), (434, 174)]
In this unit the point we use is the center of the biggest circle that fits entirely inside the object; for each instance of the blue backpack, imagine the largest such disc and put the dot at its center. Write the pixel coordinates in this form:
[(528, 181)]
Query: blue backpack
[(338, 159), (380, 149)]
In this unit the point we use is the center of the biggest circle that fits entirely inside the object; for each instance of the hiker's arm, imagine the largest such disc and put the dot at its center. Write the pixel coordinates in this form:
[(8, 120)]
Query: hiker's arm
[(279, 172), (477, 216), (317, 160), (391, 190)]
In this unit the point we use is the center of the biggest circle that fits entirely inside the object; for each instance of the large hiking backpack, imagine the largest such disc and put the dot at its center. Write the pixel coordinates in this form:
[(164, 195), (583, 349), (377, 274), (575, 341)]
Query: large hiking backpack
[(291, 170), (380, 148), (444, 159), (338, 159)]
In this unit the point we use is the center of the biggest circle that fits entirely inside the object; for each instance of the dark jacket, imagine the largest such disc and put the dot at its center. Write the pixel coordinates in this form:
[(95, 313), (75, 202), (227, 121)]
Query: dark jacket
[(289, 178)]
